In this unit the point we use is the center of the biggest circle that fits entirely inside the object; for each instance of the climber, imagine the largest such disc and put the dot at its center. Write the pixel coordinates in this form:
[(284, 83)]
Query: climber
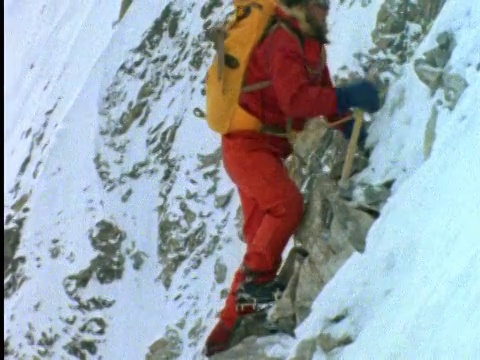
[(292, 57)]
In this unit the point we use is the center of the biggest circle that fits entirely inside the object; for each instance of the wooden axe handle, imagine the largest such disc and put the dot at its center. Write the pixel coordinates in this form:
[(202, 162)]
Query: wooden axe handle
[(352, 148)]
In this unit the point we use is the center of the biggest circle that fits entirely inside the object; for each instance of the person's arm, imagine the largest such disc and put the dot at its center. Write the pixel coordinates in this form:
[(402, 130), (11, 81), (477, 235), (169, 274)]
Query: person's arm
[(326, 78), (296, 96), (327, 82)]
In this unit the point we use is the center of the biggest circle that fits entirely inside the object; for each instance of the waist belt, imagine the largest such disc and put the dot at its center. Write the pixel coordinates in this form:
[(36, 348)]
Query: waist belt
[(273, 130), (287, 132)]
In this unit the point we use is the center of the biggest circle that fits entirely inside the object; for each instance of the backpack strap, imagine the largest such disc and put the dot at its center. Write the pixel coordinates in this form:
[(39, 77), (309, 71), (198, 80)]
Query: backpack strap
[(218, 34), (273, 24), (219, 44), (257, 86)]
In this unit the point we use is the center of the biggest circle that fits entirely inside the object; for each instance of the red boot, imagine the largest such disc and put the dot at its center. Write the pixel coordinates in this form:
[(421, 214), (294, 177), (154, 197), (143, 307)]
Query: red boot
[(218, 340)]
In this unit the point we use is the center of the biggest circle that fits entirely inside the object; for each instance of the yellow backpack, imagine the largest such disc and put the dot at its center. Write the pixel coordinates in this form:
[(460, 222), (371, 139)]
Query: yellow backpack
[(224, 81)]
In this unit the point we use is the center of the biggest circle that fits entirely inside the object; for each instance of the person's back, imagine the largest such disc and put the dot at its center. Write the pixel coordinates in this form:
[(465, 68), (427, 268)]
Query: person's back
[(295, 63)]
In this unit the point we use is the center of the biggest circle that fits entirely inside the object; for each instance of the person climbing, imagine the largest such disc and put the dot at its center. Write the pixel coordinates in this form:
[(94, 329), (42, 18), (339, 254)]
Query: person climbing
[(291, 58)]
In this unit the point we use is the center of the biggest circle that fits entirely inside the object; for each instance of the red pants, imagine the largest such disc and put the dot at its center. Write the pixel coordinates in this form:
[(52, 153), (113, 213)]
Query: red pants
[(272, 210)]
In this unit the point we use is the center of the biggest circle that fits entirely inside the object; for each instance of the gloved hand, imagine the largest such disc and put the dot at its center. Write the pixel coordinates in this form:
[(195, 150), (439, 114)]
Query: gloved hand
[(361, 94)]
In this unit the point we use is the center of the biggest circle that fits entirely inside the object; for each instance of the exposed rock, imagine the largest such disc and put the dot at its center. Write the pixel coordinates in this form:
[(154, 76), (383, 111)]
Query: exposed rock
[(331, 230), (337, 332), (400, 27), (295, 257), (255, 324), (377, 195), (13, 274), (221, 201), (167, 348), (81, 348), (94, 326), (305, 350), (253, 348), (439, 56), (196, 330), (177, 243), (20, 203), (107, 237), (208, 8), (429, 9), (132, 114), (138, 259), (320, 150), (124, 8), (207, 160), (106, 267), (127, 195), (454, 85), (283, 313), (368, 197), (109, 265), (429, 136), (430, 68), (11, 236), (199, 113), (348, 223), (429, 75), (220, 272), (7, 348), (329, 342)]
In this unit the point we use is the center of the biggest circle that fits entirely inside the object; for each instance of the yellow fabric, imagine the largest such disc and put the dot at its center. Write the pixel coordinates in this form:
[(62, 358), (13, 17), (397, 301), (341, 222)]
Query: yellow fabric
[(243, 32), (242, 120)]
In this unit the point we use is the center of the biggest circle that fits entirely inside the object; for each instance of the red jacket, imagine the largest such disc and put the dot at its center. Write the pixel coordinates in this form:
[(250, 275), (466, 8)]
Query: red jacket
[(301, 86)]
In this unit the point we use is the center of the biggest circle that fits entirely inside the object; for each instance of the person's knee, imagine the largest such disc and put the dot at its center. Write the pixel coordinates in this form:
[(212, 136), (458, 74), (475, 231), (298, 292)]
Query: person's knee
[(289, 208)]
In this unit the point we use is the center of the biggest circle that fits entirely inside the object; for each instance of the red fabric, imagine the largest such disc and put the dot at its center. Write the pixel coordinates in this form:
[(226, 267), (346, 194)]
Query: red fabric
[(218, 340), (271, 203), (301, 85)]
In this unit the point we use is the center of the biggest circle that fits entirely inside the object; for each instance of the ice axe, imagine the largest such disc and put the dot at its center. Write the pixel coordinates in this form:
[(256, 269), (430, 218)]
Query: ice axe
[(351, 149), (344, 183)]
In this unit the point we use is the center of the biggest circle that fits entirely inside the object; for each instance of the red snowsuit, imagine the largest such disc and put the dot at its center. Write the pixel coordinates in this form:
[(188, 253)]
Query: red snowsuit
[(272, 205)]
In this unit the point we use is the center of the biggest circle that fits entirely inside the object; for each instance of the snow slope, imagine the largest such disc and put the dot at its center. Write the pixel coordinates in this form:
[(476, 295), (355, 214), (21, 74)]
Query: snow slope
[(412, 294)]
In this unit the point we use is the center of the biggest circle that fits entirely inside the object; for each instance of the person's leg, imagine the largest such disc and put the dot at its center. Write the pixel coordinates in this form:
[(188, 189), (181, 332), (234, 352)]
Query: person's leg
[(272, 208), (219, 338), (252, 219), (252, 216), (278, 207)]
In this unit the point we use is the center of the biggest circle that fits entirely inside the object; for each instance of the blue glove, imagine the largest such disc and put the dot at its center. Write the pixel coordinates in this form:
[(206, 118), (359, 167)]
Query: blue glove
[(347, 130), (359, 94)]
